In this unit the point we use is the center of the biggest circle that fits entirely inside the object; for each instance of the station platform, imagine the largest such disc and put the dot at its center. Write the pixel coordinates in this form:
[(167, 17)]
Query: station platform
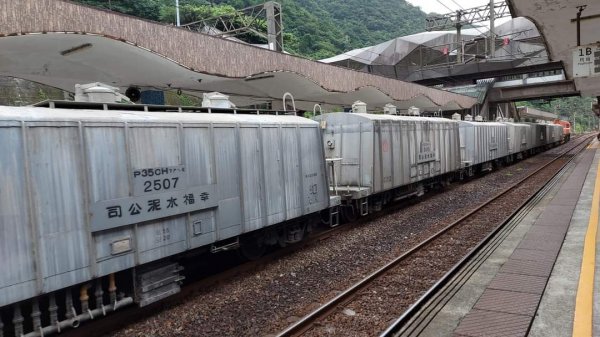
[(542, 278)]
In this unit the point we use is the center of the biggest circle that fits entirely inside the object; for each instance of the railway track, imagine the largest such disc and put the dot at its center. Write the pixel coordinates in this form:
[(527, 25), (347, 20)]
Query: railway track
[(228, 269), (336, 316), (417, 318)]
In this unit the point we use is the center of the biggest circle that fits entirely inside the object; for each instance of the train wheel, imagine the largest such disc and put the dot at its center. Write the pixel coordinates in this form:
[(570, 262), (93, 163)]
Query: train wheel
[(349, 213), (252, 249)]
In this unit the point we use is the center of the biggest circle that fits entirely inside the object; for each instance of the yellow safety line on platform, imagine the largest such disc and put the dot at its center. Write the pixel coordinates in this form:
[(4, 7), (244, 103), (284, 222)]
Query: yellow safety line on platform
[(582, 323)]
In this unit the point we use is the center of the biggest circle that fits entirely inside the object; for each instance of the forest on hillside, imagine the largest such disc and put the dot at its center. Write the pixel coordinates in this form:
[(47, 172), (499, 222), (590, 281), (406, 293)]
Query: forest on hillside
[(313, 28)]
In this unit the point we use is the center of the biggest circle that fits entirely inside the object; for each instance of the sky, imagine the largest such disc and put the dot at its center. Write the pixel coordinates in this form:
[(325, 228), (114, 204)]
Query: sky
[(429, 6)]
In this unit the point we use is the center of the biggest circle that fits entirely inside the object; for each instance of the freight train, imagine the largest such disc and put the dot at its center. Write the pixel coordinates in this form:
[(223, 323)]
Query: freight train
[(99, 201), (566, 128)]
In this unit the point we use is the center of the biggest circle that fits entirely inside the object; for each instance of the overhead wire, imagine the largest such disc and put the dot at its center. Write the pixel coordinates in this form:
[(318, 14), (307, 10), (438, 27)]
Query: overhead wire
[(491, 30), (509, 53)]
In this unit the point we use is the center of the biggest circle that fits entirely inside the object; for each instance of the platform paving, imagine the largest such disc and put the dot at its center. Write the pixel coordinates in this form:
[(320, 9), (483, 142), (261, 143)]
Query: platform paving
[(556, 310), (528, 285)]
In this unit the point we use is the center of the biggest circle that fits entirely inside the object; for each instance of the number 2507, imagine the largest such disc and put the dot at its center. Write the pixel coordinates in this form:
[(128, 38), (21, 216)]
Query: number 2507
[(160, 184)]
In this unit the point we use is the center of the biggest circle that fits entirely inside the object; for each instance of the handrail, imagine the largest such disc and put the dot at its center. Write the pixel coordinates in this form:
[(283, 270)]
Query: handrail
[(315, 110), (287, 94)]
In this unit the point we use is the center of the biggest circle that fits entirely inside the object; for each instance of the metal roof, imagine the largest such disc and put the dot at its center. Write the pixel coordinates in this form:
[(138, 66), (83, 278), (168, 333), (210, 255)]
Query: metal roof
[(36, 114), (61, 44), (525, 44)]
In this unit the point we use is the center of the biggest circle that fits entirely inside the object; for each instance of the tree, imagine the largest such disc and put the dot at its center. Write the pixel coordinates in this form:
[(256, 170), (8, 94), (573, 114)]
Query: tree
[(312, 28), (147, 9)]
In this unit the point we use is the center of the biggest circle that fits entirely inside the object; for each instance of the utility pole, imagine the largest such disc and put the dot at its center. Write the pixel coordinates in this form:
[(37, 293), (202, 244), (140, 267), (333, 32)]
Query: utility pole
[(274, 25), (177, 12), (589, 120), (459, 52), (580, 9), (492, 27)]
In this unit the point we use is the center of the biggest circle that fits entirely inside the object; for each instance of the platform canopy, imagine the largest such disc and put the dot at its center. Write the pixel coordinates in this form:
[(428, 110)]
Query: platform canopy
[(60, 43), (556, 21), (529, 112)]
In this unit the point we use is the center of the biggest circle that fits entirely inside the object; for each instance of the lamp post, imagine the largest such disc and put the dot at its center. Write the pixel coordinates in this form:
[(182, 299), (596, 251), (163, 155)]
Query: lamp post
[(177, 12)]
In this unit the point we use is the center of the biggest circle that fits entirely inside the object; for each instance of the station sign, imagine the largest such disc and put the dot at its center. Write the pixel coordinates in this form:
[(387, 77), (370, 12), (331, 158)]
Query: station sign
[(586, 61)]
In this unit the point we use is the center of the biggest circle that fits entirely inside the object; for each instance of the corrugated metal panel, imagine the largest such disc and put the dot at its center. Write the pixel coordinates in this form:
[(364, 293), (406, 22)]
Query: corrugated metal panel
[(16, 245), (108, 171), (274, 175), (554, 133), (229, 211), (251, 179), (314, 178), (382, 152), (537, 134), (293, 172), (482, 142), (518, 137), (58, 195)]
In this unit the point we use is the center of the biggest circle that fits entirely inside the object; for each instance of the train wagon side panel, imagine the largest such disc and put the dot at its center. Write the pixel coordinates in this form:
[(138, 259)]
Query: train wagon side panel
[(524, 131), (411, 149), (482, 142), (399, 146), (350, 139), (251, 171), (273, 172), (108, 167), (292, 171), (513, 138), (542, 134), (228, 175), (382, 152), (203, 226), (18, 238), (58, 203), (557, 133), (157, 147), (467, 144), (88, 193), (315, 191), (517, 137)]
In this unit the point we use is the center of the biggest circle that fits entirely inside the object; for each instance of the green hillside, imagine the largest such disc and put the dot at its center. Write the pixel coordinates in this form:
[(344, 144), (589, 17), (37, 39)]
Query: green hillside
[(315, 28)]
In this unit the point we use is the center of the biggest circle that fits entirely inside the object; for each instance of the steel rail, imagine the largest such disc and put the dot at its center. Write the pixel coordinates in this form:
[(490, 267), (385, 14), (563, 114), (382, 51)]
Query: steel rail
[(413, 310), (307, 322)]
